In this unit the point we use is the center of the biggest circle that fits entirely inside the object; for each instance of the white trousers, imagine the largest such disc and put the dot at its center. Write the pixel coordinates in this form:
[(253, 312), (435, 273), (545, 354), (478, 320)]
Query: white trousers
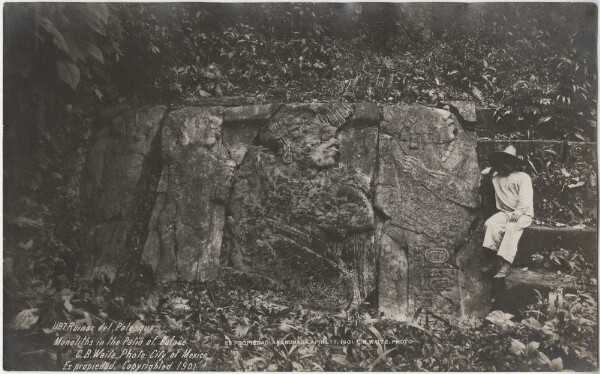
[(503, 236)]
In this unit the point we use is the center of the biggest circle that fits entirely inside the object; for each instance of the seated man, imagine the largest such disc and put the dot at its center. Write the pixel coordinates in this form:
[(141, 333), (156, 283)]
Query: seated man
[(514, 199)]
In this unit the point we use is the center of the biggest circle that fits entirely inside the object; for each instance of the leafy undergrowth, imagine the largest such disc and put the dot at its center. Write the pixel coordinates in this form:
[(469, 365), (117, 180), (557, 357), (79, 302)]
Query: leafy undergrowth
[(228, 327), (567, 193)]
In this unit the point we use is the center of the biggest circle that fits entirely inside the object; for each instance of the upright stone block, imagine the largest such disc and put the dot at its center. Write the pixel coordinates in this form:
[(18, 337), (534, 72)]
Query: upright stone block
[(115, 163), (300, 216), (115, 182), (186, 227), (427, 187)]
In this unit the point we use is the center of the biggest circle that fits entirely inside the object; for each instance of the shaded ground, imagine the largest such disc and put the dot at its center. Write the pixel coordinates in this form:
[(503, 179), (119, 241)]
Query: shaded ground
[(232, 328)]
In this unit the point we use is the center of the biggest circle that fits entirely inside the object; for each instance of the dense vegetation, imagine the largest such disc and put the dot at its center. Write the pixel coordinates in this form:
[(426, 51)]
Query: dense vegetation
[(68, 66), (534, 63)]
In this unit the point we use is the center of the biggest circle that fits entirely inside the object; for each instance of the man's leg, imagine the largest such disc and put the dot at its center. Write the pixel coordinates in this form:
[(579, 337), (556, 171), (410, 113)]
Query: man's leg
[(510, 241), (494, 231)]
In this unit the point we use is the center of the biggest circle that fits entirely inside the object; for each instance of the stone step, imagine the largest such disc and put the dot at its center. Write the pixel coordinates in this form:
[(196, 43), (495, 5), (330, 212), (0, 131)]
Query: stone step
[(522, 288), (544, 239), (540, 280)]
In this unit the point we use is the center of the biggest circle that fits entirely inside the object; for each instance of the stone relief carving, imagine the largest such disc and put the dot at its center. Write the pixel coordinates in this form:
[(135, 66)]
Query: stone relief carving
[(328, 201), (186, 227), (300, 216), (427, 187)]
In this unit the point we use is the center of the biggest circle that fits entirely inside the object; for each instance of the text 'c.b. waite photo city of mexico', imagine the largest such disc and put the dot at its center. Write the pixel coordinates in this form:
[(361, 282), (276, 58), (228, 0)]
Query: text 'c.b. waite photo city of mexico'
[(300, 186)]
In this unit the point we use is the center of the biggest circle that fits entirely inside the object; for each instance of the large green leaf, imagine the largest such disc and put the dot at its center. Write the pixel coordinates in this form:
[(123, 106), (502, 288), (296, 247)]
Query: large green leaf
[(95, 52), (68, 72), (57, 37), (74, 49), (95, 15)]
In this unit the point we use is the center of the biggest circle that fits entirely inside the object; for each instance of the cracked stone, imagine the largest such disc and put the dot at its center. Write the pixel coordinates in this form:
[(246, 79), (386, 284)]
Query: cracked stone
[(427, 185), (186, 227), (366, 115), (467, 109), (114, 182), (249, 113), (301, 216), (241, 125), (115, 162)]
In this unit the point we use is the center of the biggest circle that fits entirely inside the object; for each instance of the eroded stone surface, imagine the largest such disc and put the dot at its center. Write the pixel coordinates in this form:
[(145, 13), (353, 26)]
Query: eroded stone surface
[(300, 215), (366, 114), (248, 114), (467, 109), (322, 192), (115, 181), (241, 125), (114, 164), (427, 186), (186, 227)]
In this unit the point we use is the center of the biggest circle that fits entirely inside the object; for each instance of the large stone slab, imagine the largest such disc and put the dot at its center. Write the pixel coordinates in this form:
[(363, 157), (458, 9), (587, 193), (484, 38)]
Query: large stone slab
[(186, 227), (427, 187), (301, 216), (116, 160), (115, 182), (522, 287)]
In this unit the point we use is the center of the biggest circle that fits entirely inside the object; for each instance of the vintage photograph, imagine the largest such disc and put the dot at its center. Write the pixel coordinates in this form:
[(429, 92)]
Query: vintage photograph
[(300, 186)]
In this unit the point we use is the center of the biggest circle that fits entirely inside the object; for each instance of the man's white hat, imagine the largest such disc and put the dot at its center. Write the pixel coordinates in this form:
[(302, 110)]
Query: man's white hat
[(509, 154)]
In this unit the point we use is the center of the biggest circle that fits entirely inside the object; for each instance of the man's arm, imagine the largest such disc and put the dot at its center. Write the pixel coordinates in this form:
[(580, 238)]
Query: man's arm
[(525, 197)]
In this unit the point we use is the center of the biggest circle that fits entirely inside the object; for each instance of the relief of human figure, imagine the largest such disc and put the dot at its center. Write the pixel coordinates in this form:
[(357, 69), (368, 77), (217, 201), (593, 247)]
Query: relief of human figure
[(186, 227), (427, 188), (299, 217)]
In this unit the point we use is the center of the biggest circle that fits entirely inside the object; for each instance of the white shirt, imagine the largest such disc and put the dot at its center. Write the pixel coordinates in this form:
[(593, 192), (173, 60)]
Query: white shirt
[(514, 193)]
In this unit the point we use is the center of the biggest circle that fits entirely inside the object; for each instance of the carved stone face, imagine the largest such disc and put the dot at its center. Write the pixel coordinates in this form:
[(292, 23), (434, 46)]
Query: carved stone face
[(311, 143), (321, 151), (204, 129), (314, 144), (446, 130), (429, 128)]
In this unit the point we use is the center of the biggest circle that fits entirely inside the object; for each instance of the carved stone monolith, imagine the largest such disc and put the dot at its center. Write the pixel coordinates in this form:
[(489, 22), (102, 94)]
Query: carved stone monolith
[(427, 188), (301, 215), (115, 183), (186, 227)]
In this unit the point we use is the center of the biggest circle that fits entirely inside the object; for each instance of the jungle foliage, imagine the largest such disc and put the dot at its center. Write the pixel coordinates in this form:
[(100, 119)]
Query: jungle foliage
[(67, 66)]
